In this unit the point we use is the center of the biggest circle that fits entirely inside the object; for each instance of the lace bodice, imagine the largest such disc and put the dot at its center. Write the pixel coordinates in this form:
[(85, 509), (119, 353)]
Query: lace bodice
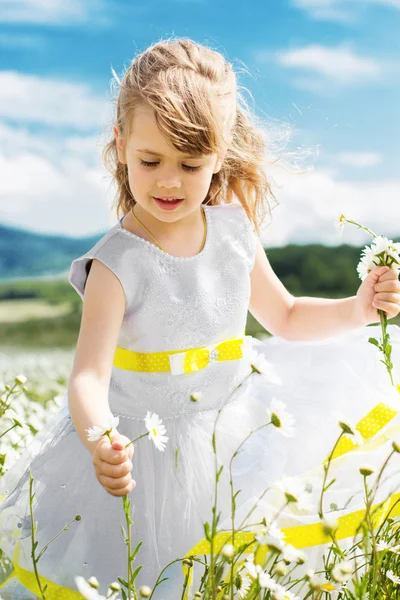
[(175, 303)]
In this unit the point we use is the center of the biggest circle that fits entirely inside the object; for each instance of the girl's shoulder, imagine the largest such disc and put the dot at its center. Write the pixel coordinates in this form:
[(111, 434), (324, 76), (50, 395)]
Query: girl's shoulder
[(113, 251)]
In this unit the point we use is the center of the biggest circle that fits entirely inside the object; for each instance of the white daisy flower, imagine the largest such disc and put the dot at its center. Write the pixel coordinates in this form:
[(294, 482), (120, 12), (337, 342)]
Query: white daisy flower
[(97, 431), (292, 554), (156, 430), (87, 591), (280, 593), (280, 418), (370, 259), (266, 581), (348, 428), (382, 545), (392, 576), (242, 583), (295, 490), (339, 223), (367, 263), (342, 571), (260, 365)]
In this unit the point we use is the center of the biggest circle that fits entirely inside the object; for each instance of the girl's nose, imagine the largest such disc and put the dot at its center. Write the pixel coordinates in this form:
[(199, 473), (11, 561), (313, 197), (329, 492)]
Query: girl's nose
[(169, 180)]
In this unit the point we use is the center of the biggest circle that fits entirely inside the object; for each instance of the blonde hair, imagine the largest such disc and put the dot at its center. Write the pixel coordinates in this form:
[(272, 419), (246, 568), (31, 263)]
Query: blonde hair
[(199, 109)]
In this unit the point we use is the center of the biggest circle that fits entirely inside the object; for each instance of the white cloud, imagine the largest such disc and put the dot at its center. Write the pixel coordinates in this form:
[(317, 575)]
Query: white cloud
[(310, 203), (340, 65), (60, 186), (55, 12), (340, 10), (360, 160), (48, 101), (53, 185)]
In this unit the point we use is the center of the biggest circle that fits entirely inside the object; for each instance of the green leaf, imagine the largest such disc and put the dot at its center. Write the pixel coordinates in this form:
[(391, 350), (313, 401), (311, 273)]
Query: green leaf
[(123, 533), (207, 533), (123, 594), (374, 342), (123, 581), (135, 573), (136, 550)]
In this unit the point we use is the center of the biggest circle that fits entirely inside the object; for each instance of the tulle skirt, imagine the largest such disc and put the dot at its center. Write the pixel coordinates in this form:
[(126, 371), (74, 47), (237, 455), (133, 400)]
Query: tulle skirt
[(175, 489)]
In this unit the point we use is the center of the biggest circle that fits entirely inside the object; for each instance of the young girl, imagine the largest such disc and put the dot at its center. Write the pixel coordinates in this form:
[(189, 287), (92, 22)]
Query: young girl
[(166, 293)]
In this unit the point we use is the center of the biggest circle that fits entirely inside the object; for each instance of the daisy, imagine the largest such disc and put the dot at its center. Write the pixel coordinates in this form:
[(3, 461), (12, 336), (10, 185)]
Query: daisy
[(292, 554), (342, 571), (261, 366), (294, 490), (339, 223), (87, 591), (282, 420), (242, 583), (392, 576), (348, 428), (266, 581), (97, 431), (156, 430)]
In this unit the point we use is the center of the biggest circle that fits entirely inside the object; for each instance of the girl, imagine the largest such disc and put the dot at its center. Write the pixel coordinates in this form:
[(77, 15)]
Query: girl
[(166, 293)]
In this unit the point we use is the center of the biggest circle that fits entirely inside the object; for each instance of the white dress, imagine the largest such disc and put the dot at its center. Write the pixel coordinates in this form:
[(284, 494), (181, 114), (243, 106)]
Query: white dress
[(175, 303)]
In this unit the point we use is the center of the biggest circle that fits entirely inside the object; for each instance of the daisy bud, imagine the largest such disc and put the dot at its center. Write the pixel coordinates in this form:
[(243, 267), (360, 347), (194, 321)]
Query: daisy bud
[(115, 587), (280, 568), (92, 581), (346, 427), (228, 551), (196, 396), (20, 379), (145, 591), (366, 471), (396, 447), (188, 562), (78, 518), (198, 595), (330, 524)]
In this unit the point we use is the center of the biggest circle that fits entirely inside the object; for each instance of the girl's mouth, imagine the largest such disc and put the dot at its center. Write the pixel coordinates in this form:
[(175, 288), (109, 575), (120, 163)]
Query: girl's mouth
[(167, 204)]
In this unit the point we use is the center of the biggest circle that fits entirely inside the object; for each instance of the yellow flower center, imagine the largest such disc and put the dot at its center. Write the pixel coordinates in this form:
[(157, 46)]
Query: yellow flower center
[(154, 431), (328, 587)]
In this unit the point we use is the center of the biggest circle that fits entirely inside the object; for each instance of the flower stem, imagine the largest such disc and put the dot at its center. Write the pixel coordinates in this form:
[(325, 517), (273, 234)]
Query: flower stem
[(34, 543)]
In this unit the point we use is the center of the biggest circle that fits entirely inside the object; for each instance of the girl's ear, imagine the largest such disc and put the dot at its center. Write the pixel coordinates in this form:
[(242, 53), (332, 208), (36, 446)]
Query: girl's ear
[(120, 145)]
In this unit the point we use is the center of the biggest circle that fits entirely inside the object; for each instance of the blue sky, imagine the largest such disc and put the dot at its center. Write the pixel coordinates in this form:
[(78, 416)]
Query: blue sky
[(327, 68)]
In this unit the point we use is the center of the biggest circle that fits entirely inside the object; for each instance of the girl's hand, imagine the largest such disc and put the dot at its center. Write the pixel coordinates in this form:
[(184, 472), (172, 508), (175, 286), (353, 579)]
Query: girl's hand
[(113, 465), (380, 290)]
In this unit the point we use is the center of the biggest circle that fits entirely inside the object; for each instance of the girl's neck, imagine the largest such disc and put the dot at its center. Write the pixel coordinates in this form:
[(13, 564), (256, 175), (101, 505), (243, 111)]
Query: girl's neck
[(182, 238)]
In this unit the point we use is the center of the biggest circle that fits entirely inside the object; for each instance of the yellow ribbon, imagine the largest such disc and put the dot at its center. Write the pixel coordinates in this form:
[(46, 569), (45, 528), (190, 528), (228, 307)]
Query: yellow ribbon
[(28, 580), (178, 362), (303, 536)]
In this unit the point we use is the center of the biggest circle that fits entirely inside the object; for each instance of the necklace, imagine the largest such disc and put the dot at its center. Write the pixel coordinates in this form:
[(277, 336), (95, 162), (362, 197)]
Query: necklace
[(159, 245)]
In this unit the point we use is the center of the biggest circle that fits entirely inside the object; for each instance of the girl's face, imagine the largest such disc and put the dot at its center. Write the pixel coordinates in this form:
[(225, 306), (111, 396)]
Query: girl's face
[(157, 169)]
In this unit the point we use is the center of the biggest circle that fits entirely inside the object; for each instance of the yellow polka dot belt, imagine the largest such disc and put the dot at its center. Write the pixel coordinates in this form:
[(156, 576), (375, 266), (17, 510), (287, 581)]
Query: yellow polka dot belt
[(178, 362)]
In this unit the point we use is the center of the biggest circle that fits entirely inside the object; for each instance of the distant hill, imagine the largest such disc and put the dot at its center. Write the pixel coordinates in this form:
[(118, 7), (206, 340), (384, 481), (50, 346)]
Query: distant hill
[(27, 254)]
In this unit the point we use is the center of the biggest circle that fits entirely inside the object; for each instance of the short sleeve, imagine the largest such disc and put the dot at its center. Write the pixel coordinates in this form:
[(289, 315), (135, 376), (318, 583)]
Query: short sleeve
[(111, 251)]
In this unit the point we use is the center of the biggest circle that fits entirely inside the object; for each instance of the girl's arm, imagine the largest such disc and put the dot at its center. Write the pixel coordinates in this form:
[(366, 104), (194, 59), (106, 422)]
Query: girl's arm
[(293, 318), (102, 314)]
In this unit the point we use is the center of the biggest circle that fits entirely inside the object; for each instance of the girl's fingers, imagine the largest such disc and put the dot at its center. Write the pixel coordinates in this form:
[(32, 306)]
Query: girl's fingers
[(115, 484), (390, 274), (387, 297), (392, 285), (115, 471), (122, 492), (392, 310)]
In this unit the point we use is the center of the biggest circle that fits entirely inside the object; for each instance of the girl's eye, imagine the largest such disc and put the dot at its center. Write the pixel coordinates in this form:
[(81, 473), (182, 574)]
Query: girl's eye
[(153, 164)]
